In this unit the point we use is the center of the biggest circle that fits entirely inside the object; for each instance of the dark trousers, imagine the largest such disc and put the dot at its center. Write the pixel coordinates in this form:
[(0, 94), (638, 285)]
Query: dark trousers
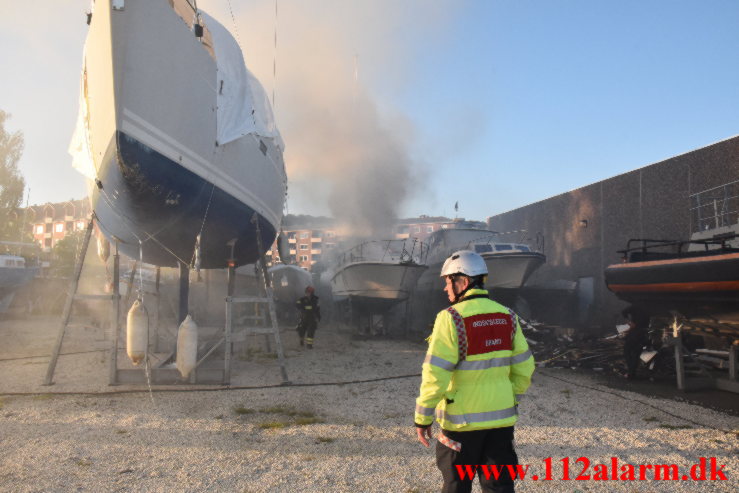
[(632, 355), (493, 446), (307, 329)]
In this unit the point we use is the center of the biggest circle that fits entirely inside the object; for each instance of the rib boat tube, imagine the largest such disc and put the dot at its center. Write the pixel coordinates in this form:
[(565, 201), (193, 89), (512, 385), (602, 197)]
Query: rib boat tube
[(694, 283)]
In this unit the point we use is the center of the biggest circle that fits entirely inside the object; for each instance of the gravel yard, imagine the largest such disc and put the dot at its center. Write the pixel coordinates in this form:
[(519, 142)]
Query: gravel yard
[(82, 435)]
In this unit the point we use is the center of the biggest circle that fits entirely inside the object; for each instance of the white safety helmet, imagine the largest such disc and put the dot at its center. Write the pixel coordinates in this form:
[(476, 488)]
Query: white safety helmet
[(464, 262)]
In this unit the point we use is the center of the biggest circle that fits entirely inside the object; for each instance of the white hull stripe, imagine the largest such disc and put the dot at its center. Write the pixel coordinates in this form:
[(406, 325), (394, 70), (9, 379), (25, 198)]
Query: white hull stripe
[(440, 362), (424, 411), (472, 418), (149, 135)]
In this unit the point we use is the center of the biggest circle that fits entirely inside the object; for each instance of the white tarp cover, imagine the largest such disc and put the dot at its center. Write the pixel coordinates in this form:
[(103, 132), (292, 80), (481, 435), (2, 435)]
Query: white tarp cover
[(79, 146), (243, 106)]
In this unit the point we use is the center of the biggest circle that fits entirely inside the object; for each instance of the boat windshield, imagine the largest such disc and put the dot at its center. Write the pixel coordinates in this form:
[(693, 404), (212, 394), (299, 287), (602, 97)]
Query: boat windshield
[(500, 247)]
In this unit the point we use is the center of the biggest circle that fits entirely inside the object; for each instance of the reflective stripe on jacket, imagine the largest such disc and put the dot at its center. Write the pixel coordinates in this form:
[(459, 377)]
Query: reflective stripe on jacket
[(309, 309), (482, 390)]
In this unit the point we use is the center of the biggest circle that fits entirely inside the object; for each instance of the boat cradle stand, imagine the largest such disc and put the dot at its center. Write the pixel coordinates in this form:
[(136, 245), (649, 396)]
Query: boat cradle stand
[(266, 298), (114, 372), (705, 380), (156, 373)]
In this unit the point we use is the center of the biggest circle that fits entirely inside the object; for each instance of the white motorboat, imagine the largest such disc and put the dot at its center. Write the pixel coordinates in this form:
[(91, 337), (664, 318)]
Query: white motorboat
[(289, 282), (13, 275), (378, 274), (176, 136), (509, 264)]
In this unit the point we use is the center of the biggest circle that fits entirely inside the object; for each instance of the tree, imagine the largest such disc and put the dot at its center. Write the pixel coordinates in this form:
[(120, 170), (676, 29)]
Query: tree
[(12, 183), (65, 254)]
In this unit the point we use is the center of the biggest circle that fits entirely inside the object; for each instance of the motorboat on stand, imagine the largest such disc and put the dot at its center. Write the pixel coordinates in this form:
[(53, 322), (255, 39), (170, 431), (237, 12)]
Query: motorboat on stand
[(697, 278), (176, 137), (14, 274), (509, 264), (377, 275), (289, 282)]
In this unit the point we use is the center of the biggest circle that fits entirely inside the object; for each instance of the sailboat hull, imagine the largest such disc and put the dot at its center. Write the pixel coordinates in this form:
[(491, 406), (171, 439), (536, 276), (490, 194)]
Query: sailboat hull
[(155, 208), (159, 176)]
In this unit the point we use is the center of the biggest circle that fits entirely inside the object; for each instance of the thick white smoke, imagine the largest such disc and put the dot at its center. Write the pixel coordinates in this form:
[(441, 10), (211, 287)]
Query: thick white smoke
[(345, 152)]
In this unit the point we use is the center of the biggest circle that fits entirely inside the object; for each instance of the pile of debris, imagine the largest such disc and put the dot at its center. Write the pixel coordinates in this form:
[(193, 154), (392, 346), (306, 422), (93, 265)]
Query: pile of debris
[(560, 347)]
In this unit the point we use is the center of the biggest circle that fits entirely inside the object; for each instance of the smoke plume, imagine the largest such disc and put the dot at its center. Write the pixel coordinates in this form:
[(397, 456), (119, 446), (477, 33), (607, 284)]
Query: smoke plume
[(344, 150)]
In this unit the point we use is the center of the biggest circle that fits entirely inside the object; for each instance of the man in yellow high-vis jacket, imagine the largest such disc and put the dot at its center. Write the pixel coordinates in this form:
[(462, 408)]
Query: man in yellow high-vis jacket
[(477, 367)]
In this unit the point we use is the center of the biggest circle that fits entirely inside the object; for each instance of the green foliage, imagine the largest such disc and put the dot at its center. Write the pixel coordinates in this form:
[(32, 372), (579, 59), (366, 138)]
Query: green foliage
[(12, 184), (65, 254)]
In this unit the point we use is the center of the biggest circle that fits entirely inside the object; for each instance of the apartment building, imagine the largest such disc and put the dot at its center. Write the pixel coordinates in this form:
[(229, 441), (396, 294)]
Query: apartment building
[(306, 246), (50, 223), (423, 226), (313, 242)]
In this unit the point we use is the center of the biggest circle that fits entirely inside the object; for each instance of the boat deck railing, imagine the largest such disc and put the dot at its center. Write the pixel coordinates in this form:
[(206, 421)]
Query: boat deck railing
[(655, 249), (409, 251), (715, 208)]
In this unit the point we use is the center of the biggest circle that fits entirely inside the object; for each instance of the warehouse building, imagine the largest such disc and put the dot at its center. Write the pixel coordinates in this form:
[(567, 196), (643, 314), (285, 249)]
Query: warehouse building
[(582, 231)]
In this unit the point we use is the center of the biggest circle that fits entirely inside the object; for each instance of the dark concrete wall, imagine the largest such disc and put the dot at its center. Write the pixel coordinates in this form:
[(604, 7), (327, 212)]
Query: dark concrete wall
[(581, 231)]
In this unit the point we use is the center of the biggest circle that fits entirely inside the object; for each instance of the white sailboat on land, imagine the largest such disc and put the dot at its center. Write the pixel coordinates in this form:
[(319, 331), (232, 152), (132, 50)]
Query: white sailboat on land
[(176, 137)]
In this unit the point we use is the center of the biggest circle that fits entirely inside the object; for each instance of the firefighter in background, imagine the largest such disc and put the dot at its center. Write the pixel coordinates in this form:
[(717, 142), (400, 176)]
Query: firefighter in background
[(477, 367), (635, 338), (310, 315)]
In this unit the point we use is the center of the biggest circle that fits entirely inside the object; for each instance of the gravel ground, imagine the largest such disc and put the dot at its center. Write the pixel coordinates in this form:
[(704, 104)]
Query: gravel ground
[(82, 435)]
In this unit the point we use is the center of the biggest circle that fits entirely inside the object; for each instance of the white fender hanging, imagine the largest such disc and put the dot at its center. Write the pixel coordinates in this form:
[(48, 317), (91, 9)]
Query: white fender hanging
[(187, 346), (137, 332), (103, 248), (283, 247)]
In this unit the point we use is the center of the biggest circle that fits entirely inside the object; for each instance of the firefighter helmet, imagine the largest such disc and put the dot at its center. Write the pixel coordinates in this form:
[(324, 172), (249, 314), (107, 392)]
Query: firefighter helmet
[(464, 262)]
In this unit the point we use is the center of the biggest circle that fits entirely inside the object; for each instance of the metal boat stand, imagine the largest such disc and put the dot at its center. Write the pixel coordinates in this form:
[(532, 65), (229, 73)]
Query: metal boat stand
[(116, 375), (72, 295), (685, 365), (265, 298)]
